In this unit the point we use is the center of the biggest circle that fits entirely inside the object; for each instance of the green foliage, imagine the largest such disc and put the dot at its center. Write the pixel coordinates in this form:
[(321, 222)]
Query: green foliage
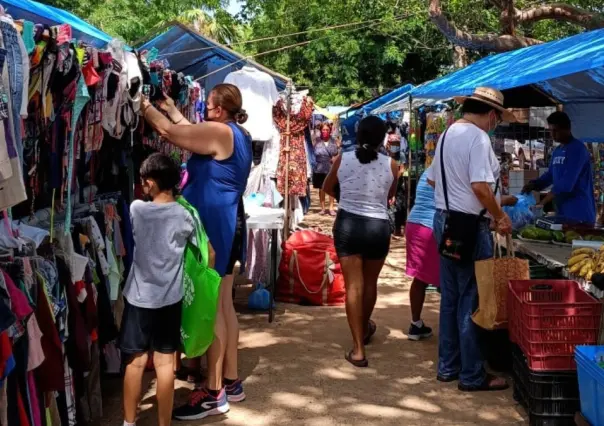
[(349, 64), (131, 20)]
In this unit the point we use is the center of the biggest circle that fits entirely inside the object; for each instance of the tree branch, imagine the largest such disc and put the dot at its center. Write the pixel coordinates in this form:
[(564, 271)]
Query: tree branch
[(488, 42), (561, 12)]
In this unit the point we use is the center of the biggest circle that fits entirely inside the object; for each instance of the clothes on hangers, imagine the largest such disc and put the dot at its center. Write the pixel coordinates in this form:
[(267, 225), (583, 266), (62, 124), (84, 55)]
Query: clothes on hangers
[(259, 93), (297, 166)]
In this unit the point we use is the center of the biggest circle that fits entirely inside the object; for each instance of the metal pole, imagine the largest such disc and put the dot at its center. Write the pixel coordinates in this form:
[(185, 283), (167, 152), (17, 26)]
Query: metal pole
[(410, 157), (288, 91)]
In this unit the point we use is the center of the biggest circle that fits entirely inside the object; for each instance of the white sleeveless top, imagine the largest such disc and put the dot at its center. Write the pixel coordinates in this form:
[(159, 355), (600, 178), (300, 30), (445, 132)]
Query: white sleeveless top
[(364, 187)]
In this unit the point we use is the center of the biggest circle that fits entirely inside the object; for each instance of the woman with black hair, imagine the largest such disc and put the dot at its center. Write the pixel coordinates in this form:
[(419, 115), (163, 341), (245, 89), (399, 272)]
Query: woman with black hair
[(361, 231)]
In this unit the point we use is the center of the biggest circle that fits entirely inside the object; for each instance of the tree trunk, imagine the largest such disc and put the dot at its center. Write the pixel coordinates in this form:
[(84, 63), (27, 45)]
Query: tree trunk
[(487, 42), (460, 57), (561, 12)]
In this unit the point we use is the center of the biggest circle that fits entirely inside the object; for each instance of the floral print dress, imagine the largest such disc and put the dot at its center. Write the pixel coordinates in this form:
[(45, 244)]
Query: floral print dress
[(297, 177)]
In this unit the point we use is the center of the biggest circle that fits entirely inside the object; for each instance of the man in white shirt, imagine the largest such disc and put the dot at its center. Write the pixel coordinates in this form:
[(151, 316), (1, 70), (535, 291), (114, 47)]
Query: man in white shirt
[(471, 171)]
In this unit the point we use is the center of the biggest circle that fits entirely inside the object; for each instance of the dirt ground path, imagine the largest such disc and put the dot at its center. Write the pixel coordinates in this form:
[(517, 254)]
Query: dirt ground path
[(295, 372)]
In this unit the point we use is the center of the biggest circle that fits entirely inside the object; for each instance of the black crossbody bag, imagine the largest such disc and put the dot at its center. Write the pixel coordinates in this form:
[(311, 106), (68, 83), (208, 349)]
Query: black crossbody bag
[(461, 229)]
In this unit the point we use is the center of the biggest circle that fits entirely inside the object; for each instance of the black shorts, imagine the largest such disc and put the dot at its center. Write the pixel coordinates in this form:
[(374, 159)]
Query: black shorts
[(238, 239), (145, 329), (318, 179), (360, 235)]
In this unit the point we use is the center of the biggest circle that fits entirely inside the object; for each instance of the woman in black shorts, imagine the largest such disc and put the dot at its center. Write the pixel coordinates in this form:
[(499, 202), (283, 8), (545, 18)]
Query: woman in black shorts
[(367, 179)]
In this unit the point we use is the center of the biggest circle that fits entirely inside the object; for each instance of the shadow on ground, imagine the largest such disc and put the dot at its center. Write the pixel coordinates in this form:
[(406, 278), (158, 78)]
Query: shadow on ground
[(295, 372)]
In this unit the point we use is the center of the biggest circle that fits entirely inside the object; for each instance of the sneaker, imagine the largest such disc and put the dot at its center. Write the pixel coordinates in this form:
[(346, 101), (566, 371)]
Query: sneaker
[(235, 391), (418, 333), (201, 405)]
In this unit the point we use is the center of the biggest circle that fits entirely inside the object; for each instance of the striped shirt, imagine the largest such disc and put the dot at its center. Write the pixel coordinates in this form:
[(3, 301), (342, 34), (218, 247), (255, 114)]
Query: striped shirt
[(424, 208)]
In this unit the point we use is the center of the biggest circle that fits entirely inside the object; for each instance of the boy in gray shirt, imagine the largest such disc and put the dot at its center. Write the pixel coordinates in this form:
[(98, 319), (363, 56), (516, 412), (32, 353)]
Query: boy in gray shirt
[(153, 292)]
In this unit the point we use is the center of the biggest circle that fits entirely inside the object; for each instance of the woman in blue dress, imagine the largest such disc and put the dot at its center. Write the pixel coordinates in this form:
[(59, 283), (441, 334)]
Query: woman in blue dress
[(217, 176)]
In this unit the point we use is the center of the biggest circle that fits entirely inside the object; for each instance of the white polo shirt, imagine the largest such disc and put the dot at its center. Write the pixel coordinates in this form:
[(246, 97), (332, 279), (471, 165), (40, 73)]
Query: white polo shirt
[(468, 158)]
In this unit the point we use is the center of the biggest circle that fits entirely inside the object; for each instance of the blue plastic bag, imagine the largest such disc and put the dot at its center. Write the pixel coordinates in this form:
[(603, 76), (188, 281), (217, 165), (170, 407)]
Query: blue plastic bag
[(521, 214), (260, 299)]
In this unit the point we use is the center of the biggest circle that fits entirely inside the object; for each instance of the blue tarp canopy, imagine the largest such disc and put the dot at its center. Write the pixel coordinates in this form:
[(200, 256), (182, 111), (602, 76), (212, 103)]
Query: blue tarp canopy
[(570, 70), (189, 52), (39, 13), (349, 119)]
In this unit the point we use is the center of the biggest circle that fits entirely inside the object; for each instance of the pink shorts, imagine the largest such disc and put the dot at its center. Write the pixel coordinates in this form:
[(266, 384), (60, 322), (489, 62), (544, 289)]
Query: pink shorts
[(423, 260)]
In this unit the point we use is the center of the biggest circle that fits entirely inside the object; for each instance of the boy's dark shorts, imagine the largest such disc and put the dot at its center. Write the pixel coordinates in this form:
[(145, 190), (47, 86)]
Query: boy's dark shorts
[(156, 330)]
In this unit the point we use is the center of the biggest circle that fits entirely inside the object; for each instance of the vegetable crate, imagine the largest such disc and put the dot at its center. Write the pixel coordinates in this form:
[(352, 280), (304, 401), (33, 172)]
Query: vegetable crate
[(549, 398), (548, 318), (591, 383)]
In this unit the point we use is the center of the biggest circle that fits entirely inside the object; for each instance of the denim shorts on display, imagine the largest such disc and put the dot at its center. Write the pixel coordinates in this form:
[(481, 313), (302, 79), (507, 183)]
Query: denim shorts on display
[(15, 72), (360, 235)]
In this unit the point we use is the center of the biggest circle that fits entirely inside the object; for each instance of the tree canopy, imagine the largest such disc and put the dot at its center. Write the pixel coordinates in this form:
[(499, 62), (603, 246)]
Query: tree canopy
[(392, 42)]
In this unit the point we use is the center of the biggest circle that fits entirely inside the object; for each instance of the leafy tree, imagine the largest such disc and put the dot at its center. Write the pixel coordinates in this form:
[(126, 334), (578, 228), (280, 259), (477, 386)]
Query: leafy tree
[(512, 24), (393, 44), (133, 19)]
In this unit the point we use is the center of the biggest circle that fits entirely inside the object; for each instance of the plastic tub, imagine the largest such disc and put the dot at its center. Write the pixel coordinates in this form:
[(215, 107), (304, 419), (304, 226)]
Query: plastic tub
[(591, 383)]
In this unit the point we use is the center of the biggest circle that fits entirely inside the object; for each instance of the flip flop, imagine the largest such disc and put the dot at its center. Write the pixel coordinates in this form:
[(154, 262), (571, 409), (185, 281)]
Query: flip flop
[(360, 363), (370, 332), (488, 385)]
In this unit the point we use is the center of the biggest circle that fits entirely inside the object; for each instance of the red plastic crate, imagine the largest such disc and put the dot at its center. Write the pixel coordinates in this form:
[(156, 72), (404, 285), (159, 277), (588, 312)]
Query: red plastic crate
[(548, 318)]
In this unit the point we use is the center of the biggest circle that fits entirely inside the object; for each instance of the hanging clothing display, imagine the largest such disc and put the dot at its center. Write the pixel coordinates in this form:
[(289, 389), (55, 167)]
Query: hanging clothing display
[(298, 162), (259, 93)]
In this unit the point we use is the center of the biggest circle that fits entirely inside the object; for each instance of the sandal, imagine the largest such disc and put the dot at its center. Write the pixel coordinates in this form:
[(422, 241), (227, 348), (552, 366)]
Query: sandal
[(360, 363), (490, 383), (371, 329)]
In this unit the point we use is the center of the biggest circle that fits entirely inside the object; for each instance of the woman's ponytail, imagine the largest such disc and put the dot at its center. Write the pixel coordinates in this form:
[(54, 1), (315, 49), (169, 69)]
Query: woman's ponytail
[(370, 136)]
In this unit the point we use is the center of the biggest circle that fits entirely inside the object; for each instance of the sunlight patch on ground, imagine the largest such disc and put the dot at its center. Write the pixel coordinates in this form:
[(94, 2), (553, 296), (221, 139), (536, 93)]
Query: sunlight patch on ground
[(419, 404), (380, 411), (334, 373), (292, 400)]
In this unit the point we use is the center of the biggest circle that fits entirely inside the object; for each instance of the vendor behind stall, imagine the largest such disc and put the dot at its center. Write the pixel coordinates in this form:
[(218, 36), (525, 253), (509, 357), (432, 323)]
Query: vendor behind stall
[(569, 174)]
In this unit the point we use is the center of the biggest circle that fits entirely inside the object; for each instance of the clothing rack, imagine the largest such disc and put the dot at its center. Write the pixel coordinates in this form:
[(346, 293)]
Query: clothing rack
[(288, 94)]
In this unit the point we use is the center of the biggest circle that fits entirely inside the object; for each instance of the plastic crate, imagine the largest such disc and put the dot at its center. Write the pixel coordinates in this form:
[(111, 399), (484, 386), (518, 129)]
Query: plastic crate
[(548, 318), (544, 385), (591, 383), (550, 399)]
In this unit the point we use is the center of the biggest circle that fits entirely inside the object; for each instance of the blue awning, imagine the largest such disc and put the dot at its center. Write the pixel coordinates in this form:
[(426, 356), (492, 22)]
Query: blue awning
[(349, 119), (193, 54), (370, 105), (571, 70), (39, 13)]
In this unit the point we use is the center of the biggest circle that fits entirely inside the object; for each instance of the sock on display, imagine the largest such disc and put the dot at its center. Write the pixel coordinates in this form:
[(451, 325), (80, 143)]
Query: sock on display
[(418, 324), (129, 424)]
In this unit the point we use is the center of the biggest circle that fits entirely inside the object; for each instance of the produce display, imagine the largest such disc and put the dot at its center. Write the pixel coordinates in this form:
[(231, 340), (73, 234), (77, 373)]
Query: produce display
[(584, 262), (532, 232)]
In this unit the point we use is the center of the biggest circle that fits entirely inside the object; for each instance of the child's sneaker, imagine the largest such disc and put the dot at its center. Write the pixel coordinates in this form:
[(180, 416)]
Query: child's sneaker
[(201, 405), (235, 391)]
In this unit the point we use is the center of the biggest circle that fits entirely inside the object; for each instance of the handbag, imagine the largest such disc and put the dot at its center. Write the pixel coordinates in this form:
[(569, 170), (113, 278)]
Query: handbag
[(492, 278), (460, 232), (201, 289)]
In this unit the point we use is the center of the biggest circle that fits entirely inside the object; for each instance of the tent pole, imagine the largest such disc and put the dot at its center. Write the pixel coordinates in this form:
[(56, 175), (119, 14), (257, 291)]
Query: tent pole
[(288, 91), (410, 156)]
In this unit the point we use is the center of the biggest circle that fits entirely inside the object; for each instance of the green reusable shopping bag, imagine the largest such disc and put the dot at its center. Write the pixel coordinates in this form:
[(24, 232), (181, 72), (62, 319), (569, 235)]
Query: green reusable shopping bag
[(201, 287)]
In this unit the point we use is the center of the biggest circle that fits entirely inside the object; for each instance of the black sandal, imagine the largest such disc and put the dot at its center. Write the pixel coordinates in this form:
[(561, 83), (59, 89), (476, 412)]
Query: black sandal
[(360, 363), (371, 329), (486, 386)]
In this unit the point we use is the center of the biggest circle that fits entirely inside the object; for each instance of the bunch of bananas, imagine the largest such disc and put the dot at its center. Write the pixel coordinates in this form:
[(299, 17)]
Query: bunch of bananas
[(585, 262)]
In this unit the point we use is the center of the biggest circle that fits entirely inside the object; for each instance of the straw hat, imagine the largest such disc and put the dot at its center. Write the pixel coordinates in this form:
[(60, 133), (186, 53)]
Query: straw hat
[(491, 97)]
